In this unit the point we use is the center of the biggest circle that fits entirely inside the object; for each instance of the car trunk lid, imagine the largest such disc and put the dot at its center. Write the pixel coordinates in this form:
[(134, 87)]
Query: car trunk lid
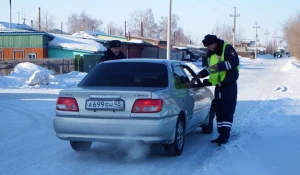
[(107, 102)]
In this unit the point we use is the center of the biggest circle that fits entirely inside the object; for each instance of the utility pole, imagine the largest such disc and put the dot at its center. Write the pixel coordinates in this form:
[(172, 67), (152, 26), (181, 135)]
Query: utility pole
[(275, 41), (267, 33), (61, 27), (174, 38), (256, 27), (9, 14), (234, 24), (142, 29), (169, 32), (125, 28), (39, 20), (18, 17)]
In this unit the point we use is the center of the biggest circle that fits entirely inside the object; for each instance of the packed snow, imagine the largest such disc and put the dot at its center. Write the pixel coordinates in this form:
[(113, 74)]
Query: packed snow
[(265, 138), (70, 42)]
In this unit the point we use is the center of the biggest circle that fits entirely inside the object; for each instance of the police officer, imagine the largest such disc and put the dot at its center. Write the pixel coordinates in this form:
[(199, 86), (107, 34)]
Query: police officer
[(223, 63), (113, 52)]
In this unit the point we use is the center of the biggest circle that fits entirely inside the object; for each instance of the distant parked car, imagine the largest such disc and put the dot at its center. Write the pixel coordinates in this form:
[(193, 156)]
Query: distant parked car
[(278, 54), (134, 99)]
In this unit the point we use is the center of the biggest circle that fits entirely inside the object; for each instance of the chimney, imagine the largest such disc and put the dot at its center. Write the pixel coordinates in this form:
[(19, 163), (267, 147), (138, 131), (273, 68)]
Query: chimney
[(39, 25), (31, 24)]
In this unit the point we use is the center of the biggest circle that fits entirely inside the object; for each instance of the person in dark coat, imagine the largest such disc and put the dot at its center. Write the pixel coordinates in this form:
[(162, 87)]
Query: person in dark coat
[(113, 52), (223, 72)]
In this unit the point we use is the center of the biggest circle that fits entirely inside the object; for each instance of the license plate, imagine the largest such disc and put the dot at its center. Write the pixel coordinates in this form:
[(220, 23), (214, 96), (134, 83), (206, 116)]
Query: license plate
[(105, 104)]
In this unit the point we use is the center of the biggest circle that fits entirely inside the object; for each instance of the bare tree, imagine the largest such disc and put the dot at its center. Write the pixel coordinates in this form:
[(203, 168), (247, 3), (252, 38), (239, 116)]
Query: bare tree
[(292, 34), (149, 25), (114, 29), (181, 38), (224, 32), (270, 47), (163, 26), (178, 36), (47, 22), (80, 22)]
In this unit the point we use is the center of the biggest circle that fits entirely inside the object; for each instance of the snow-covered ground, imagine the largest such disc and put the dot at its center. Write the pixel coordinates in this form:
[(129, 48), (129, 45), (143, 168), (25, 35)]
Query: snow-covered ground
[(265, 135)]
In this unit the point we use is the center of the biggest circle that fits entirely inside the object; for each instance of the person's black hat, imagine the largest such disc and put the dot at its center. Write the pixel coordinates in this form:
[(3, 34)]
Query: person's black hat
[(114, 43), (209, 39)]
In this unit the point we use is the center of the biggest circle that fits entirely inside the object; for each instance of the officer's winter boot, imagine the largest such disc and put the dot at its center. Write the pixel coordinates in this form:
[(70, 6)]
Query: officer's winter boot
[(216, 140), (225, 134), (222, 141)]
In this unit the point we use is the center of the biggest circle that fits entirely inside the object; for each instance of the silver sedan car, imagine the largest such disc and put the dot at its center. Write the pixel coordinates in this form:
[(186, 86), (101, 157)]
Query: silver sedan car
[(134, 99)]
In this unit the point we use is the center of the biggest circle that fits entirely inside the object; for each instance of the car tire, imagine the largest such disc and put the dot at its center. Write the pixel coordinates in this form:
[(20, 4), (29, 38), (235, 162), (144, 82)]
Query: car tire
[(80, 145), (176, 148), (210, 127)]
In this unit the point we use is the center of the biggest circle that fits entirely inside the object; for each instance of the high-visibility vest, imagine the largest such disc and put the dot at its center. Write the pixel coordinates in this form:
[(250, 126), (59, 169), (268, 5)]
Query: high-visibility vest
[(216, 76)]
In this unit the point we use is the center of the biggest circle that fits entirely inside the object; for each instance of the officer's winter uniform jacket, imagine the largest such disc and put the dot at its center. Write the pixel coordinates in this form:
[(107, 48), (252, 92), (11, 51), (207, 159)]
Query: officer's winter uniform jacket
[(230, 64), (109, 55)]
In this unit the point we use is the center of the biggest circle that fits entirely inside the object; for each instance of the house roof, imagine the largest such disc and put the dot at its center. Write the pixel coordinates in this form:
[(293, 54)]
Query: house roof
[(245, 41), (73, 43), (58, 31), (5, 25), (112, 37), (103, 37), (152, 41), (9, 32)]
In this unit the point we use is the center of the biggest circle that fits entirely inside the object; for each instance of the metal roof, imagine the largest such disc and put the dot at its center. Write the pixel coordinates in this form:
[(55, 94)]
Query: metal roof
[(23, 32)]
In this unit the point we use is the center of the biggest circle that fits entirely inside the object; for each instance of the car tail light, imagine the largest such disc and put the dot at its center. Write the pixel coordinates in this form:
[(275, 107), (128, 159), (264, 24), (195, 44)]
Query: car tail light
[(147, 106), (67, 104)]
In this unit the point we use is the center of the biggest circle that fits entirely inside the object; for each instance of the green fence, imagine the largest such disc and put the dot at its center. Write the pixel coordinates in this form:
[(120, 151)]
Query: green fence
[(86, 63)]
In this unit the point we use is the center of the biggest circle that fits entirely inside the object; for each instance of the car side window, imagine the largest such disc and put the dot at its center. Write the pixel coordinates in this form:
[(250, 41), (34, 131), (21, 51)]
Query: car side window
[(189, 74), (178, 76)]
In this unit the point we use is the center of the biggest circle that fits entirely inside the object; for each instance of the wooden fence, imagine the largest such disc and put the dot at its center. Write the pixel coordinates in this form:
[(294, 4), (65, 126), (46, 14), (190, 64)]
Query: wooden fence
[(58, 66)]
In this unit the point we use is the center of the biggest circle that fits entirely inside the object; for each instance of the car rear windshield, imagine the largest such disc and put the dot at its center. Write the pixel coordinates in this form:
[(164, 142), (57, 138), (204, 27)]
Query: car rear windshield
[(130, 74)]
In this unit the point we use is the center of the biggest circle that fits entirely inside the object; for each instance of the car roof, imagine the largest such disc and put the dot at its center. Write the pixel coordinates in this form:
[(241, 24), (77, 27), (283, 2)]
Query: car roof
[(142, 60)]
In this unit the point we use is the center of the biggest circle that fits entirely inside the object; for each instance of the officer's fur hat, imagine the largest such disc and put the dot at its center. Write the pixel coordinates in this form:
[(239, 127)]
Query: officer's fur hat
[(209, 39), (114, 43)]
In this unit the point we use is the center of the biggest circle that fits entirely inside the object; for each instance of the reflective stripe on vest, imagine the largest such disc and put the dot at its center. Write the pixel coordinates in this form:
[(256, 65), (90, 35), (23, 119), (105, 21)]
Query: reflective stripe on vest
[(215, 76)]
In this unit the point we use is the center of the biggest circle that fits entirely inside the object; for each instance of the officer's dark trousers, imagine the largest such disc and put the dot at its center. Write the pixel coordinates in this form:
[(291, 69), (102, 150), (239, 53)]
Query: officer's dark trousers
[(225, 108)]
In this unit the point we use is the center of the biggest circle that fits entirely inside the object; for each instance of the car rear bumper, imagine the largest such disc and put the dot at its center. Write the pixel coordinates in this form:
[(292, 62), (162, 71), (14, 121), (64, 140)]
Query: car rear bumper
[(149, 130)]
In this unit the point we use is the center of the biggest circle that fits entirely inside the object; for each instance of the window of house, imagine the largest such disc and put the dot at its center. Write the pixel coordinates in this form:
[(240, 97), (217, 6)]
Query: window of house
[(32, 56), (18, 54)]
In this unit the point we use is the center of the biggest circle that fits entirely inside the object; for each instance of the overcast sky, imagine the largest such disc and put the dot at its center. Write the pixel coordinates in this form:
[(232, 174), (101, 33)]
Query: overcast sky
[(196, 17)]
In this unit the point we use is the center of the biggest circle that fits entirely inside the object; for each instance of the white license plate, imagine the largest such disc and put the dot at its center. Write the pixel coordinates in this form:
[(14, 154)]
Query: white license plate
[(105, 104)]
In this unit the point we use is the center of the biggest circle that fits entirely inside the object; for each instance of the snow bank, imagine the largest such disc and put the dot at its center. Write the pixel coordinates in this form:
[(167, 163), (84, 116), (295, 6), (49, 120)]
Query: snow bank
[(41, 77), (76, 44), (291, 66), (28, 75)]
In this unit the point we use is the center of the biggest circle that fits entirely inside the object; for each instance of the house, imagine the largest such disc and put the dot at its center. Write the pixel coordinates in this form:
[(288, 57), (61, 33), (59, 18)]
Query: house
[(14, 26), (153, 48), (23, 44)]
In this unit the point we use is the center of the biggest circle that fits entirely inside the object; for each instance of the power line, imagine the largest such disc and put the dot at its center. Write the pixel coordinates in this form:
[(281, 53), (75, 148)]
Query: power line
[(214, 9), (224, 4)]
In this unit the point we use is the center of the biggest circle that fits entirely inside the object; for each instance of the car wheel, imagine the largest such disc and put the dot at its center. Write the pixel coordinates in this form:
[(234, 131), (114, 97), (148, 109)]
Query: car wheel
[(80, 145), (210, 127), (176, 148)]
